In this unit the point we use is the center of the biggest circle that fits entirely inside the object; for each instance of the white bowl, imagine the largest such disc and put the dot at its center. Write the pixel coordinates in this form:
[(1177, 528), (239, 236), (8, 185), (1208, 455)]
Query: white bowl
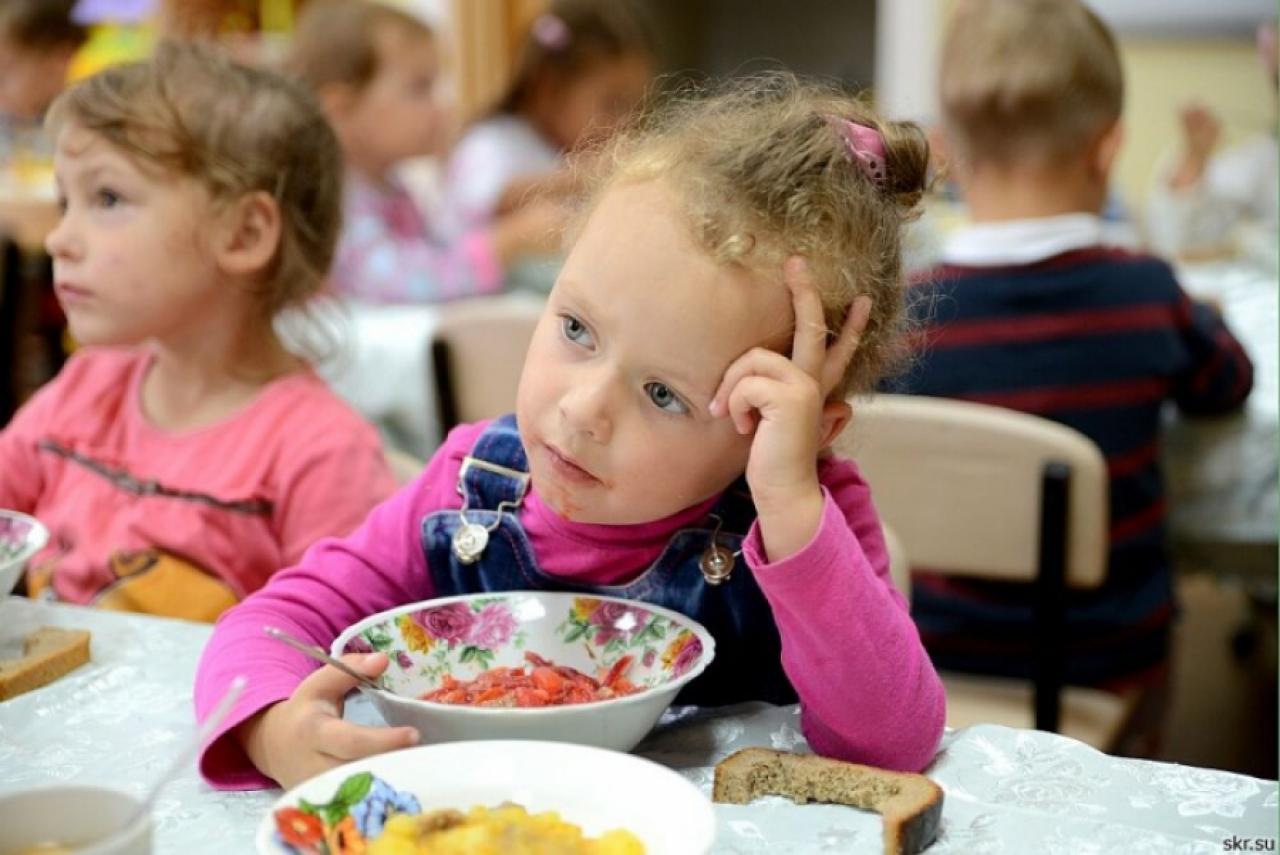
[(21, 537), (596, 789), (463, 636), (69, 814)]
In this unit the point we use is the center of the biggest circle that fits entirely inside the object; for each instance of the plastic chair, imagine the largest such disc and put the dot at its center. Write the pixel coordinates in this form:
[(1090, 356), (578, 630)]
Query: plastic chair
[(984, 492), (478, 350)]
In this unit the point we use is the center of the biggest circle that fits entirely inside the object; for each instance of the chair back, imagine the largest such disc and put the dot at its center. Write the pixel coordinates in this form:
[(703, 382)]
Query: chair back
[(961, 484), (975, 490), (478, 351)]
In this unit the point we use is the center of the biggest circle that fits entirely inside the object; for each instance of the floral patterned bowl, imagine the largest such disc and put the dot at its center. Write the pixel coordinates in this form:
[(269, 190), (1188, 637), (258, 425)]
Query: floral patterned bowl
[(464, 636), (21, 537)]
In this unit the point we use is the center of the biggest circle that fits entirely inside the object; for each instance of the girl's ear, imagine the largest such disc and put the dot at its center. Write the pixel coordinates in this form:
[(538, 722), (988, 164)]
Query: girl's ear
[(835, 416), (249, 235)]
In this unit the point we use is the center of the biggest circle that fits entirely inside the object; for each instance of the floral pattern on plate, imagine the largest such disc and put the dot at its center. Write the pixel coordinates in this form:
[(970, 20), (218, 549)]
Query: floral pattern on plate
[(465, 637)]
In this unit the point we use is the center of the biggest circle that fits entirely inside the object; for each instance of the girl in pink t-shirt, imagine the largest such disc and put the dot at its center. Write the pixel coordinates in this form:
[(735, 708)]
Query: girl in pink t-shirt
[(737, 276), (185, 452)]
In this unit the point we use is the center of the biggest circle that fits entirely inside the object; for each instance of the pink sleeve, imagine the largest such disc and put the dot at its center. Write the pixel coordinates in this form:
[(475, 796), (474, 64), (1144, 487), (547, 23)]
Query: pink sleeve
[(338, 582), (868, 691), (21, 476)]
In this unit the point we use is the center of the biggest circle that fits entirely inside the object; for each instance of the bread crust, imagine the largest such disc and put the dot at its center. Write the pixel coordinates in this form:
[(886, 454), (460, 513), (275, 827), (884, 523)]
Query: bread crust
[(910, 805), (48, 653)]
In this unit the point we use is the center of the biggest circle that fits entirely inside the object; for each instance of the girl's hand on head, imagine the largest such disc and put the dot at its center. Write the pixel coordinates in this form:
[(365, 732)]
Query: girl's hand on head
[(305, 735), (784, 401)]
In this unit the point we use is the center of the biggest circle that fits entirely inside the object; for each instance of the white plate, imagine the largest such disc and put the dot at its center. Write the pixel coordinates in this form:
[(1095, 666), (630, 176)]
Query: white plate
[(594, 788)]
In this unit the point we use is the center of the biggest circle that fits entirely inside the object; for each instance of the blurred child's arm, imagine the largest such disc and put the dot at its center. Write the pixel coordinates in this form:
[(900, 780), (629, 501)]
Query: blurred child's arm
[(868, 691), (338, 582), (380, 263), (1219, 374), (21, 475)]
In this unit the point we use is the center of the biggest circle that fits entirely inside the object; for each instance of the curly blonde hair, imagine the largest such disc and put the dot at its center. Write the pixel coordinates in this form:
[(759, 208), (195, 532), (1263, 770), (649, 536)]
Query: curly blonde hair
[(764, 174), (191, 111)]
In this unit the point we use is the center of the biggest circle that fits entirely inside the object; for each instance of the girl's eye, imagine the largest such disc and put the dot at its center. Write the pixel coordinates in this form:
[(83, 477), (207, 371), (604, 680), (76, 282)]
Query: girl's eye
[(664, 399), (108, 198), (575, 330)]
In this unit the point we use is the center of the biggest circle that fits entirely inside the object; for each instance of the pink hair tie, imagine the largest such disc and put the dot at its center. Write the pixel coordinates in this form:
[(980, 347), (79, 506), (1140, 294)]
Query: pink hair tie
[(866, 148), (551, 32)]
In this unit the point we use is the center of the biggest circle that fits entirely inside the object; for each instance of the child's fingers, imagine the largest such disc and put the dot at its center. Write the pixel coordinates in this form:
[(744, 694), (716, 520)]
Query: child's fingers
[(759, 361), (329, 684), (841, 352), (344, 740), (810, 341)]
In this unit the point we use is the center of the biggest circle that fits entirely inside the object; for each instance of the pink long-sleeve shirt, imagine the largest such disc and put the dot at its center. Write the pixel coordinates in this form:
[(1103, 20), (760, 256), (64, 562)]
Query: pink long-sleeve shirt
[(867, 689)]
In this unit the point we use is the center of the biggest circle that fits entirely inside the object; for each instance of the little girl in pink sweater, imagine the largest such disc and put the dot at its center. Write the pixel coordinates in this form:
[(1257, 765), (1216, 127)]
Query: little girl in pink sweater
[(736, 278)]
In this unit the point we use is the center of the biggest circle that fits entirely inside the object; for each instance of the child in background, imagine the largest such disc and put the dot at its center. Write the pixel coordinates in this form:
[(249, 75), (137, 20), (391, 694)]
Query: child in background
[(184, 454), (737, 276), (37, 42), (582, 70), (1031, 310), (374, 68), (1201, 197)]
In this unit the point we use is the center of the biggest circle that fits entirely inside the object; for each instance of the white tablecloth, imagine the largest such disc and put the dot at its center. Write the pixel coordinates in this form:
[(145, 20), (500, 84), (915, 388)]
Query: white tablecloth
[(117, 720)]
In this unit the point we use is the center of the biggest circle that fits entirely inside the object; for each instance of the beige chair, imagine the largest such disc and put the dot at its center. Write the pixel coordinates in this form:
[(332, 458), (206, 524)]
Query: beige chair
[(990, 493), (478, 352)]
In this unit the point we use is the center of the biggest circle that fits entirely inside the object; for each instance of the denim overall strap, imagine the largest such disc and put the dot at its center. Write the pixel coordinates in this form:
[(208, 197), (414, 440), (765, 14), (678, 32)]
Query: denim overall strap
[(496, 471)]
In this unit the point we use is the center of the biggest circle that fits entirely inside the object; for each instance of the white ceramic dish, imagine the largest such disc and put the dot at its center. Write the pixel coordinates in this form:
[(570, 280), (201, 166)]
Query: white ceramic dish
[(21, 537), (594, 788), (61, 814), (463, 636)]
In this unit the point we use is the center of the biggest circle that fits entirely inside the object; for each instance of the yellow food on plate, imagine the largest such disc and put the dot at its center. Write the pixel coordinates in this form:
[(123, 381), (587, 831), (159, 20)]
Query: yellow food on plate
[(503, 830)]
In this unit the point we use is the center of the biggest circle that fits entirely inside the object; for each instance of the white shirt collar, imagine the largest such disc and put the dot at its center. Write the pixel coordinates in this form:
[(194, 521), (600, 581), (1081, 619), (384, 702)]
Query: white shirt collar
[(1023, 241)]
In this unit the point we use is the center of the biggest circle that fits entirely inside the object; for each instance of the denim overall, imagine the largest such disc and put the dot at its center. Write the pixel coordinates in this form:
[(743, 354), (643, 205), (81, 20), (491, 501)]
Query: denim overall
[(748, 662)]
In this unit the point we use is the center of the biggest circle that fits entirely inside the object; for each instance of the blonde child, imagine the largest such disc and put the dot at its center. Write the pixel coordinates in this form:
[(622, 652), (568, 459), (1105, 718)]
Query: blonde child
[(1031, 310), (736, 277), (583, 68), (375, 69), (184, 454)]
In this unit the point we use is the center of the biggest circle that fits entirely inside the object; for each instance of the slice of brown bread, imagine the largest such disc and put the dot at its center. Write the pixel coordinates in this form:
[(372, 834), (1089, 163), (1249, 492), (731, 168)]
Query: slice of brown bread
[(47, 654), (910, 805)]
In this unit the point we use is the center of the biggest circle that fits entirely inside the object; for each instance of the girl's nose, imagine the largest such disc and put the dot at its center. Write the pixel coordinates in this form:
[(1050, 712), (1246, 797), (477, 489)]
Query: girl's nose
[(586, 408), (61, 242)]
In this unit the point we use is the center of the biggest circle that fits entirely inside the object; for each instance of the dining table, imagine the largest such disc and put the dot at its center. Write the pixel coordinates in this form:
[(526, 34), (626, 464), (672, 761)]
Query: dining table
[(118, 720)]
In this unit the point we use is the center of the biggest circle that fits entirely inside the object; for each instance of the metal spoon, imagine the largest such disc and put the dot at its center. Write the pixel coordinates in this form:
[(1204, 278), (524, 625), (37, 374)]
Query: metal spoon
[(317, 653)]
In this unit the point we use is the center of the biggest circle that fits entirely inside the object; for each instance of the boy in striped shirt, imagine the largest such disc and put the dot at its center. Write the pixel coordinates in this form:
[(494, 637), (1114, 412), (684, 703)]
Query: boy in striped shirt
[(1031, 310)]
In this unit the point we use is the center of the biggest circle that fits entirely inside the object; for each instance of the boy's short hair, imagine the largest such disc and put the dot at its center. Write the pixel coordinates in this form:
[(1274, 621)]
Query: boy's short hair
[(39, 25), (1027, 80), (336, 41)]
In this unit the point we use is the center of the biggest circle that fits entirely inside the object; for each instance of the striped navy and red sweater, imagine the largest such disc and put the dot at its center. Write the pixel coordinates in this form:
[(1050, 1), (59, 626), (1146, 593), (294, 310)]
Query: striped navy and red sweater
[(1101, 340)]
